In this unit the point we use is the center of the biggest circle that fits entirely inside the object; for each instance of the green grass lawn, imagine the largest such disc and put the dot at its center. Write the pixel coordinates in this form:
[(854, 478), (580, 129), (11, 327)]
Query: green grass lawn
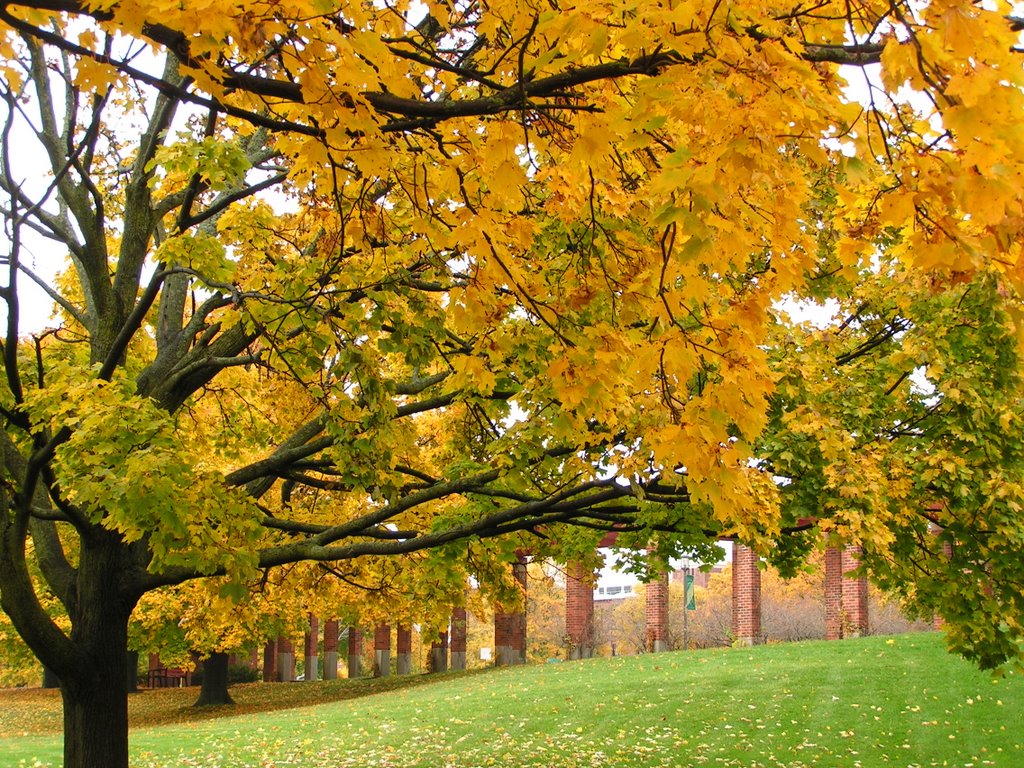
[(899, 701)]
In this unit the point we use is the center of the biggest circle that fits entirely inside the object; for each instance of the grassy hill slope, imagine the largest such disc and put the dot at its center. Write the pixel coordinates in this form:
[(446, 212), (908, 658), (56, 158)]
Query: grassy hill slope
[(898, 701)]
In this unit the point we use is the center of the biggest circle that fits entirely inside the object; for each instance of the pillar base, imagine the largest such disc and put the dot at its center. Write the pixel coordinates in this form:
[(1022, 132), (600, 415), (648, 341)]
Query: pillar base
[(458, 660), (330, 665), (381, 663), (312, 673), (580, 652), (659, 646), (269, 661), (285, 665), (507, 656), (403, 663), (746, 642), (355, 667)]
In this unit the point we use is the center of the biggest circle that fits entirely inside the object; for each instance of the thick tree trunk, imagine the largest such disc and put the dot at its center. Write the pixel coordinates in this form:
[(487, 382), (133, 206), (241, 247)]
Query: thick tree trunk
[(96, 704), (133, 672), (95, 724), (215, 682), (96, 693), (92, 664), (50, 679)]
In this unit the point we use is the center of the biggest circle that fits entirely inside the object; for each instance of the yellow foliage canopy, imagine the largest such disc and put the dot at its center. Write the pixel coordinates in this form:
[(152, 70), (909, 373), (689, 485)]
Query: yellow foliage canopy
[(352, 281)]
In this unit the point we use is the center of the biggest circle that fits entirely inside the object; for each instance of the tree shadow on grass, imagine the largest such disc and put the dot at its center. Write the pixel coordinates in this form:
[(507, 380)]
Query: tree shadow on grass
[(35, 711)]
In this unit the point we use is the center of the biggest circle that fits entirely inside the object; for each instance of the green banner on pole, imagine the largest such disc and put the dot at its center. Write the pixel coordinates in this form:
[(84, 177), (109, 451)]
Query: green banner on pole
[(691, 603)]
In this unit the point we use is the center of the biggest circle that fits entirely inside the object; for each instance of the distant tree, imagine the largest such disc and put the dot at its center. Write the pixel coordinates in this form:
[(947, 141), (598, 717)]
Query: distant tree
[(18, 665), (545, 612), (545, 615), (791, 608), (629, 623)]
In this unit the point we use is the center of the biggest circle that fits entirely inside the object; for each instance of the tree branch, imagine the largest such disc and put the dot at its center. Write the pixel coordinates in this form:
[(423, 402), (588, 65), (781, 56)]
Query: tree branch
[(401, 113)]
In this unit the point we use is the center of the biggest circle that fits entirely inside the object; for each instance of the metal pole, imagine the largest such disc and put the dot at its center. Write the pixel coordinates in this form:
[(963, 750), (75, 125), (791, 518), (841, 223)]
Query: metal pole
[(686, 610)]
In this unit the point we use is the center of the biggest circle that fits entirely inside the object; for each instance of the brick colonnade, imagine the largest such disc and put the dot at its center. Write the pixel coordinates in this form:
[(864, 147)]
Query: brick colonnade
[(846, 615), (510, 626), (382, 650), (312, 646), (855, 595), (746, 596), (285, 660), (270, 661), (403, 649), (355, 652), (846, 597), (331, 633), (833, 594), (279, 652), (656, 612), (845, 601), (579, 611), (439, 653)]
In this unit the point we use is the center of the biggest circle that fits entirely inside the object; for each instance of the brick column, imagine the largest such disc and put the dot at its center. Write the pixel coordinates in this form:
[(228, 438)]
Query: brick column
[(746, 596), (579, 611), (355, 652), (510, 627), (439, 654), (312, 647), (855, 596), (270, 661), (833, 594), (331, 631), (285, 660), (382, 650), (457, 649), (502, 638), (403, 656), (657, 614)]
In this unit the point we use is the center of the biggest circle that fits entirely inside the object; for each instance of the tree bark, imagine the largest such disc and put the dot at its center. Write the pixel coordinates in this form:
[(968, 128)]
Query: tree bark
[(214, 691), (132, 682), (91, 664), (50, 679), (96, 700), (95, 693), (96, 719)]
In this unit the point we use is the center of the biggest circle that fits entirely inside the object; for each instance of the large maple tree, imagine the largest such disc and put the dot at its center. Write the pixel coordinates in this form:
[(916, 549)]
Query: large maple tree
[(363, 279)]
